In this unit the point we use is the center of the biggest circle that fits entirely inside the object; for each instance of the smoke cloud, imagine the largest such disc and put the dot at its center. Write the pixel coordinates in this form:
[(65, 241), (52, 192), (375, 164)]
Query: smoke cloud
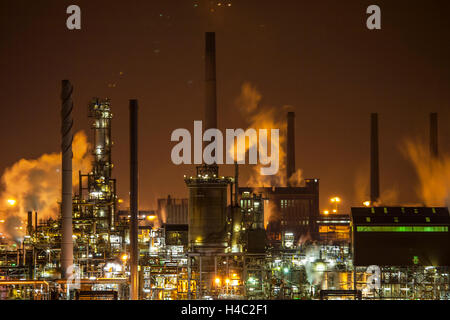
[(312, 254), (433, 173), (35, 185), (266, 117), (388, 194)]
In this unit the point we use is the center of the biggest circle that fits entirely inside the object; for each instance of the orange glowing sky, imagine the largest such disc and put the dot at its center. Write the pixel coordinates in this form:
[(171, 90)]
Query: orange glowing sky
[(316, 56)]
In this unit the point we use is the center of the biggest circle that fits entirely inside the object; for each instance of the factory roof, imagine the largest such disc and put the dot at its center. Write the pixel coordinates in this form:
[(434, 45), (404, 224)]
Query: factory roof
[(400, 215), (307, 189)]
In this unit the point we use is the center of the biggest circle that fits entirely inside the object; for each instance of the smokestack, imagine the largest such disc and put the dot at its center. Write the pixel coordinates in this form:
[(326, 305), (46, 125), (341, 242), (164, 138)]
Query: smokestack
[(66, 198), (35, 221), (290, 154), (236, 184), (433, 135), (30, 223), (374, 166), (24, 253), (134, 253), (210, 81)]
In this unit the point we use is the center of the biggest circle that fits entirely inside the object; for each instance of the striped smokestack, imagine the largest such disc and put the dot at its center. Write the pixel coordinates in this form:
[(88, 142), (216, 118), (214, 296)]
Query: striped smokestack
[(433, 135), (66, 198), (290, 154), (210, 81), (374, 166)]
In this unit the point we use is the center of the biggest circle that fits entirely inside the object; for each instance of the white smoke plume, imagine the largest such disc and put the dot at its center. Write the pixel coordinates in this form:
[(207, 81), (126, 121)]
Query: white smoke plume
[(312, 254)]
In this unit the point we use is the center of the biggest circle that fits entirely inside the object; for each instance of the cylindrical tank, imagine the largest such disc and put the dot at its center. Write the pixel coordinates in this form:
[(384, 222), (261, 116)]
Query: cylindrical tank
[(207, 213)]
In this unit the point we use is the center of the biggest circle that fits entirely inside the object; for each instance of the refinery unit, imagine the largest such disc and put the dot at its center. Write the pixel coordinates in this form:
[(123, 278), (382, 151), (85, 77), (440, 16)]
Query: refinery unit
[(229, 242)]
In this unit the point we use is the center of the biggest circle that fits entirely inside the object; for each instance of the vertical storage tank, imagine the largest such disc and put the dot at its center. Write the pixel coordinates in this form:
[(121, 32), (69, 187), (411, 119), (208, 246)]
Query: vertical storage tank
[(207, 209)]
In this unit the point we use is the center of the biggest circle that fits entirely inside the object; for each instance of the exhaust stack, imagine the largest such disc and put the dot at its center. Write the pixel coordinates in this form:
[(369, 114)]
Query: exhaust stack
[(374, 165), (210, 81), (236, 184), (66, 199), (30, 223), (134, 251), (433, 135), (290, 154)]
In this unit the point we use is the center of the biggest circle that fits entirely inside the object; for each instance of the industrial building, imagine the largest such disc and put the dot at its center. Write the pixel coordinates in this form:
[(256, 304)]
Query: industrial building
[(173, 211), (225, 241), (292, 211), (406, 248), (334, 228)]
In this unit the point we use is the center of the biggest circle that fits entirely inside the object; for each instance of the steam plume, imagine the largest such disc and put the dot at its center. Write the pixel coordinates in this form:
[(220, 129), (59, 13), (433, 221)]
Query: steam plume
[(388, 195), (433, 173), (36, 185), (265, 117)]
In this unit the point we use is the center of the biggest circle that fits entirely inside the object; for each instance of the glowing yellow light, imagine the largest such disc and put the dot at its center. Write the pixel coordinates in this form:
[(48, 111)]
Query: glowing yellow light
[(334, 210), (120, 201), (151, 217), (320, 267), (366, 203), (326, 212), (217, 281), (227, 281), (335, 199), (124, 257), (11, 202)]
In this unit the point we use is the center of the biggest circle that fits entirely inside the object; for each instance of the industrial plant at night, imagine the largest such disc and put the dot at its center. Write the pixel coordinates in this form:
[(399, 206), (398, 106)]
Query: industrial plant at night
[(231, 233)]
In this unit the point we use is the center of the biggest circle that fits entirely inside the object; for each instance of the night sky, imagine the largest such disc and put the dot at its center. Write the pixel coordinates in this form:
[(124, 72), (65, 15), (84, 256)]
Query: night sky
[(317, 56)]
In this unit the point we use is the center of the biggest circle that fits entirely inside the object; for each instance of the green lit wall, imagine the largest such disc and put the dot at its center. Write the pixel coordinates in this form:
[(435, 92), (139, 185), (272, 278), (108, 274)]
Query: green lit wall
[(401, 229)]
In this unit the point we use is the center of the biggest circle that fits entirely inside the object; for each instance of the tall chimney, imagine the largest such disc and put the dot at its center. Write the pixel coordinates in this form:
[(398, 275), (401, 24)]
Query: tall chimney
[(66, 197), (134, 175), (374, 166), (236, 184), (30, 223), (210, 81), (35, 221), (290, 154), (433, 135)]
